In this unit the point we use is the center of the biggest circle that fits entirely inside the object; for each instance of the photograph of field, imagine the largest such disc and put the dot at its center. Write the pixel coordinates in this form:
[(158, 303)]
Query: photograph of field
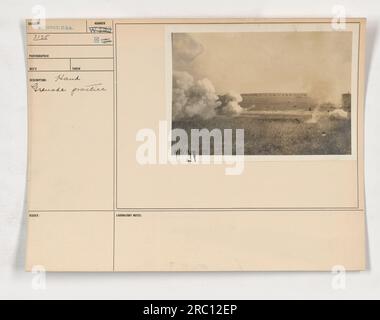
[(289, 91)]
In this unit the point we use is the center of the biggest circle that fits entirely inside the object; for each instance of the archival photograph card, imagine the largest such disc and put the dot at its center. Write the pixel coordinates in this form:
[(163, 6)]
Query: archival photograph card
[(196, 144)]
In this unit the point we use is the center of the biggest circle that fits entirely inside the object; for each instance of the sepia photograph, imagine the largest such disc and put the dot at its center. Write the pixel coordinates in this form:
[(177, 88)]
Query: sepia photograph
[(289, 91)]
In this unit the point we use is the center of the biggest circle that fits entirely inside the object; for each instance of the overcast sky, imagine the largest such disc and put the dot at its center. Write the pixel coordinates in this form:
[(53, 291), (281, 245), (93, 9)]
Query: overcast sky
[(315, 62)]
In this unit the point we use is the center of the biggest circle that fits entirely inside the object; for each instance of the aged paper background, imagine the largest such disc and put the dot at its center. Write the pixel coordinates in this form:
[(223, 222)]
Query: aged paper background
[(278, 215)]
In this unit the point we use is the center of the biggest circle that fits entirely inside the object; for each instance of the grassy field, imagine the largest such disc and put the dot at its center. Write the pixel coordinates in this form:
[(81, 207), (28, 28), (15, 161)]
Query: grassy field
[(277, 135)]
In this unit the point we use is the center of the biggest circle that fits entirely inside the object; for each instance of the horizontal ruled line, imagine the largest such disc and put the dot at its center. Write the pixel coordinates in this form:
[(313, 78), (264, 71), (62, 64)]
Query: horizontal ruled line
[(245, 209), (71, 58), (69, 33), (70, 70), (181, 211), (70, 45)]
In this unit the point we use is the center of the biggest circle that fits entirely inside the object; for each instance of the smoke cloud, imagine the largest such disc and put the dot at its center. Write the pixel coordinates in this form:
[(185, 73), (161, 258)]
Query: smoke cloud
[(338, 114), (323, 91), (193, 98), (230, 104)]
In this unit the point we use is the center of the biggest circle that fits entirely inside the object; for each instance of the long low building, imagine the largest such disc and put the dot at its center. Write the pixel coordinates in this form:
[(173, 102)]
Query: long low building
[(276, 101), (288, 101)]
